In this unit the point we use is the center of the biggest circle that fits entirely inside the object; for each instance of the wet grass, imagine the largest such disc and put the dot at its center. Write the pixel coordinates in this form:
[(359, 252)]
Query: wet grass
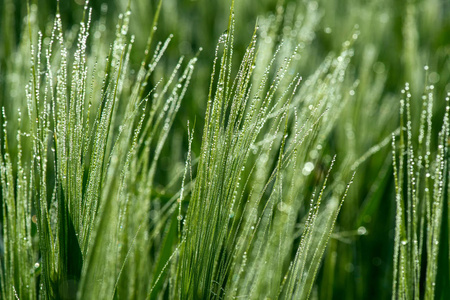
[(289, 150)]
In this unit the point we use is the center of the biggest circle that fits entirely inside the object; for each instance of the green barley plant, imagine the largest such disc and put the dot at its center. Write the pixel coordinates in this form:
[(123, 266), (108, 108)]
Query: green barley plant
[(69, 186), (248, 192), (421, 179)]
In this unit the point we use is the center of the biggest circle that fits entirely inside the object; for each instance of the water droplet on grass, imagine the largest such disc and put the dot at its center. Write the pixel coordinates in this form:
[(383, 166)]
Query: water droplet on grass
[(307, 169), (362, 230)]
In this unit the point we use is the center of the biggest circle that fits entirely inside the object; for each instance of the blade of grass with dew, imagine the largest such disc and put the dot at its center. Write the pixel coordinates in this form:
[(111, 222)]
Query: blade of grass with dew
[(421, 180), (225, 236)]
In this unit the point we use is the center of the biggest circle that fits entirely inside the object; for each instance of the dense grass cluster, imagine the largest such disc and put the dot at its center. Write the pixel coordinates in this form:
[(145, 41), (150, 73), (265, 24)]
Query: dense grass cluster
[(225, 149)]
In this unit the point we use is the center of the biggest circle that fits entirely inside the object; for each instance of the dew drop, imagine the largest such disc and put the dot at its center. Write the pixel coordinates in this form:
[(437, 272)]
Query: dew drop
[(362, 230), (307, 169)]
